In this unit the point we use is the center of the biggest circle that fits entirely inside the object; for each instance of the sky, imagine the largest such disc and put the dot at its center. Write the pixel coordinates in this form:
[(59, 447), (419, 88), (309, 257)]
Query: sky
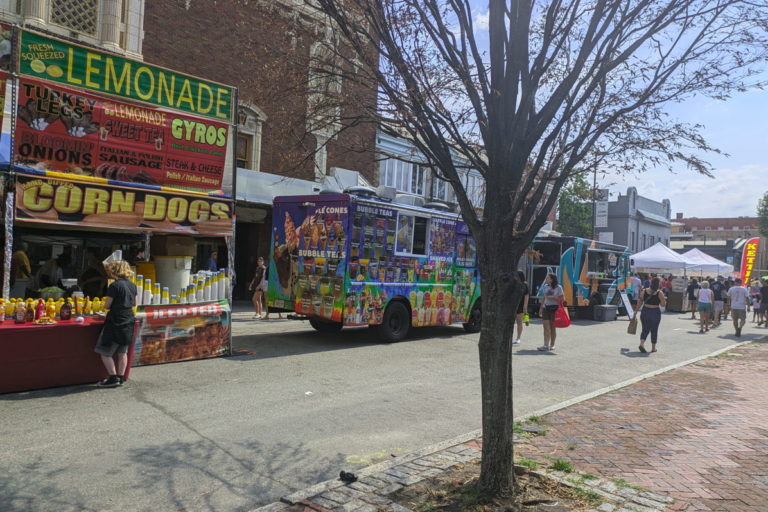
[(737, 127)]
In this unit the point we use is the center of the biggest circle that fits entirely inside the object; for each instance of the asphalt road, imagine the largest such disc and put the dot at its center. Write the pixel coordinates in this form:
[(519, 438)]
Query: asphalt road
[(290, 410)]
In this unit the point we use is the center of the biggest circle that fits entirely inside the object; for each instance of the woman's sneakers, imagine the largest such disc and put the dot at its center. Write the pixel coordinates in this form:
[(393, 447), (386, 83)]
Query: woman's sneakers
[(256, 317), (516, 342), (112, 381)]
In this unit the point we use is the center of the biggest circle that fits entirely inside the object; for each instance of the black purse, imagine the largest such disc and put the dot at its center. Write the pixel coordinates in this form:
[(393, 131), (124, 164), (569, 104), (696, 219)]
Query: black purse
[(552, 308)]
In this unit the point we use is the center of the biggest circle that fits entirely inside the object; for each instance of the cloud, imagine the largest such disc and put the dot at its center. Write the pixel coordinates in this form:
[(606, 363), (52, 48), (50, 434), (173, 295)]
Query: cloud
[(481, 21)]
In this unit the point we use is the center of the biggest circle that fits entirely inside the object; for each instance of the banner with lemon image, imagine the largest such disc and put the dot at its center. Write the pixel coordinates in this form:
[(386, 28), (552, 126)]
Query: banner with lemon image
[(47, 58)]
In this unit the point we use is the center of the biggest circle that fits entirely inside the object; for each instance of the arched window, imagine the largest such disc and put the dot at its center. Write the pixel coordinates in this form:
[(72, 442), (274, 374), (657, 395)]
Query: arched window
[(249, 121)]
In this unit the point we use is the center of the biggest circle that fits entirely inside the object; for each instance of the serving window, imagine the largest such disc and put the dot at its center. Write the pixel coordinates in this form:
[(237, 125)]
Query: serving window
[(598, 262), (466, 252), (411, 237)]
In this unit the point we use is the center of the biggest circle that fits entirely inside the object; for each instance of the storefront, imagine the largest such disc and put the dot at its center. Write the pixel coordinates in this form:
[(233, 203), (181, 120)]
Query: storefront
[(106, 154)]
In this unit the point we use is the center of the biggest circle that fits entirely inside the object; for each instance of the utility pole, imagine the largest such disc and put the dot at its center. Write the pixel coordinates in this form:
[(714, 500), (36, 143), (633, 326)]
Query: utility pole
[(594, 203)]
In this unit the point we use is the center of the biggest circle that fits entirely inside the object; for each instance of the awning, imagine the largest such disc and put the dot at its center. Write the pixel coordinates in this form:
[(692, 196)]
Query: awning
[(708, 263), (661, 257)]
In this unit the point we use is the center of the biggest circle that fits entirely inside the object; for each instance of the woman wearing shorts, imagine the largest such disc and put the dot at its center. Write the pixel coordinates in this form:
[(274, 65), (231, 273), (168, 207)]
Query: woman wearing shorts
[(118, 333), (550, 303), (257, 286), (704, 306), (522, 307)]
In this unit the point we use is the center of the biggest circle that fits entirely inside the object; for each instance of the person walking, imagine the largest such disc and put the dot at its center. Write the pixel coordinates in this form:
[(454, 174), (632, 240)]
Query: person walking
[(637, 287), (256, 285), (692, 292), (739, 298), (118, 333), (718, 291), (650, 317), (522, 307), (264, 290), (763, 315), (553, 293), (704, 305)]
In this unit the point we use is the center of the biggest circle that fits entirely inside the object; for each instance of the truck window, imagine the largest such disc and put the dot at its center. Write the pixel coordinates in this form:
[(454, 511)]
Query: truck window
[(597, 262), (550, 253), (466, 252), (420, 235)]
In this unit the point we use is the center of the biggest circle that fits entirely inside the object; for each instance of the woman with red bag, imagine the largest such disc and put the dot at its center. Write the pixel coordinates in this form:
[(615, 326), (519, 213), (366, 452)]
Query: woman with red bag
[(553, 295)]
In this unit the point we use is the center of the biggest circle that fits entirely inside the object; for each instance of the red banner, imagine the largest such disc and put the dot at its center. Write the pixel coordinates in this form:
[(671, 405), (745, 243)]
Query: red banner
[(748, 258), (67, 130)]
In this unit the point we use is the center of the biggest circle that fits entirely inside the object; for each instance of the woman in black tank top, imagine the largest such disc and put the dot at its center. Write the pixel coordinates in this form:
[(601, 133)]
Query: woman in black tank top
[(650, 317)]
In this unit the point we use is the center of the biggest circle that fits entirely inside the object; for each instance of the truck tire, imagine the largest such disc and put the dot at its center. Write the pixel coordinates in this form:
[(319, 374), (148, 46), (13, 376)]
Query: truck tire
[(321, 326), (475, 317), (395, 324)]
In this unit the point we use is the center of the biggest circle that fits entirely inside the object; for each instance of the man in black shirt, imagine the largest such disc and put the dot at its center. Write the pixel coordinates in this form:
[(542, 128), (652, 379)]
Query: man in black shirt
[(718, 289)]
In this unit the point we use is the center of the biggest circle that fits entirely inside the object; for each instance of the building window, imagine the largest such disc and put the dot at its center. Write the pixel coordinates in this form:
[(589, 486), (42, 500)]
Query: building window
[(78, 15), (250, 119), (707, 228), (720, 228), (632, 241), (652, 241), (644, 240), (403, 176), (693, 228), (244, 148), (441, 190), (735, 228)]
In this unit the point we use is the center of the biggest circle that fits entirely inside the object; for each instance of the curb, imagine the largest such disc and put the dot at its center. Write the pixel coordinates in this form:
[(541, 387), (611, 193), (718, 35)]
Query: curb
[(303, 494)]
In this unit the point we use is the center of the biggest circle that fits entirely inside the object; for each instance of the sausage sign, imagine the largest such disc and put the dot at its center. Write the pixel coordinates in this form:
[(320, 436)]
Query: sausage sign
[(57, 198)]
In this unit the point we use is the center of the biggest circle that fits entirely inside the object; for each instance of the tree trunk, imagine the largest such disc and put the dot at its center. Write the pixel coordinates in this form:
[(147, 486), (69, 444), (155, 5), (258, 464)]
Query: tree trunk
[(501, 293)]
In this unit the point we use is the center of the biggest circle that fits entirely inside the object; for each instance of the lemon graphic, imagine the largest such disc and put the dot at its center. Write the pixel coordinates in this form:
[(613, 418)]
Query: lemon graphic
[(37, 66), (54, 70)]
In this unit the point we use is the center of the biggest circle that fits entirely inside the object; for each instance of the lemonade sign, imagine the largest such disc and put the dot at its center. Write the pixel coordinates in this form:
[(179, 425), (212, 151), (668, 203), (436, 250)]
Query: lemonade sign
[(52, 59)]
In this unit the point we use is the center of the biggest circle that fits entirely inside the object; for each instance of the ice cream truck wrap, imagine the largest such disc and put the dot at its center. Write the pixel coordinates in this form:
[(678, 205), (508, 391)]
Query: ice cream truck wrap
[(345, 260), (590, 272)]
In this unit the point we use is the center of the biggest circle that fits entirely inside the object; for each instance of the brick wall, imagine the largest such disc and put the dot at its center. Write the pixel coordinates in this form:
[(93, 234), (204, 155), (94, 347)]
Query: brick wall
[(727, 223), (239, 44)]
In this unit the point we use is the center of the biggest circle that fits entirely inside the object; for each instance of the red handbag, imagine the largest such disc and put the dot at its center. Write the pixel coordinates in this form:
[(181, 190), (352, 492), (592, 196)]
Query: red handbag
[(561, 317)]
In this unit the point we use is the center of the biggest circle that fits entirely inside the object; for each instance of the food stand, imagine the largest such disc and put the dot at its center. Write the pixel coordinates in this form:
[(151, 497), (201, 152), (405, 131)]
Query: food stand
[(660, 259), (115, 154)]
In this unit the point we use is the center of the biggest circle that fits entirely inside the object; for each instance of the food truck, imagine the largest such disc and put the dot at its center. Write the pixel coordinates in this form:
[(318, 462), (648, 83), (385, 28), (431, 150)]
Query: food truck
[(590, 272), (356, 258)]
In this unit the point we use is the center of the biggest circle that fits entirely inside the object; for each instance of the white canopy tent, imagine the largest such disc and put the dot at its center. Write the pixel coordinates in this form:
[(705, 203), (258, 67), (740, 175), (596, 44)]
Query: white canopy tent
[(659, 257), (708, 263)]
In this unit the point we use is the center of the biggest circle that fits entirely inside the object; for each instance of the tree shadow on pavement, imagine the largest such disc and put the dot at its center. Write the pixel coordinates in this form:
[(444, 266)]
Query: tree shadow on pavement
[(30, 486), (213, 475)]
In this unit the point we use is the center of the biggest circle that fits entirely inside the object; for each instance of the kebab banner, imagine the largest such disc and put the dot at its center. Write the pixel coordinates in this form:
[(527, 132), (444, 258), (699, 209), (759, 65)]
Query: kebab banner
[(57, 199), (66, 130), (748, 259), (72, 65), (182, 332)]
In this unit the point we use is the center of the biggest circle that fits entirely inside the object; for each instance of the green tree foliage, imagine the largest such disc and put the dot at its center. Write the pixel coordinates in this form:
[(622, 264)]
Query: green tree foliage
[(574, 207), (762, 215)]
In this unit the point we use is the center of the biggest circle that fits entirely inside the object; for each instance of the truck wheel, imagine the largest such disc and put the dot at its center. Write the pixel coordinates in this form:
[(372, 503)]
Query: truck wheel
[(321, 326), (475, 317), (395, 324)]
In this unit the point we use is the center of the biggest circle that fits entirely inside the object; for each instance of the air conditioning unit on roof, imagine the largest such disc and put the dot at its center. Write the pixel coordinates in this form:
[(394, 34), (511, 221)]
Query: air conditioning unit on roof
[(410, 200)]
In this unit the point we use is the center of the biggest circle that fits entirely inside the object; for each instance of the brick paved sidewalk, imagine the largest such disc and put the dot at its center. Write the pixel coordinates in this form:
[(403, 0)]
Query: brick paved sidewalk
[(698, 433)]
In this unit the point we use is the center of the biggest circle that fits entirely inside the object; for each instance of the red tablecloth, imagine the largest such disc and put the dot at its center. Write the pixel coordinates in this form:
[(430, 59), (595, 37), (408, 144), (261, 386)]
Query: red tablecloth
[(46, 356)]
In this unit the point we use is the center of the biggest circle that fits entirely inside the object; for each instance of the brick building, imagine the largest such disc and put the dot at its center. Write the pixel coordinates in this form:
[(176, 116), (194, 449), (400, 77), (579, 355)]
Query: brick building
[(230, 42)]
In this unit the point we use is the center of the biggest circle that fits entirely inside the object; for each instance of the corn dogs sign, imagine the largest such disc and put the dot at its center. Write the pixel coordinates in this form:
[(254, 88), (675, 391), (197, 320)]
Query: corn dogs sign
[(58, 200)]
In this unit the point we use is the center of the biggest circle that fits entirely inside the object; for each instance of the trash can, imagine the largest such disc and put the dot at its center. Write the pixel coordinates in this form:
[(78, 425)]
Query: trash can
[(606, 313)]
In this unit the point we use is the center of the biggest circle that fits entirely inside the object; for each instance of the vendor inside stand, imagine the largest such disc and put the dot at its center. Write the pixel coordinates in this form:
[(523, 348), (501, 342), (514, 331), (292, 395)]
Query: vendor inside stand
[(49, 275), (93, 281)]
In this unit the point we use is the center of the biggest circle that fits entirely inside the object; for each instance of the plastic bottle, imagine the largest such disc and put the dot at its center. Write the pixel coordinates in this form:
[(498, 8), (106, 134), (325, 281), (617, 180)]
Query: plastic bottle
[(140, 288), (2, 310), (147, 292), (50, 310), (526, 318), (200, 290), (182, 296), (88, 307), (207, 289), (66, 311), (30, 313), (156, 294), (191, 294), (165, 298), (174, 299), (10, 307), (20, 316), (222, 285), (215, 286)]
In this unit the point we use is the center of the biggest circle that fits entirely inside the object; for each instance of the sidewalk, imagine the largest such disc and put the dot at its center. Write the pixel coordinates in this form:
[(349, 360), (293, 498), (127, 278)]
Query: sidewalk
[(692, 439), (698, 433)]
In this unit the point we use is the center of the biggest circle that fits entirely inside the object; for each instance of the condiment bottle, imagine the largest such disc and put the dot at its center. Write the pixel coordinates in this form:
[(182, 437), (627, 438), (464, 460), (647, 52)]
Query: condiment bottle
[(50, 310), (182, 296), (174, 299), (165, 297), (200, 290), (191, 294), (140, 288), (66, 310), (215, 287), (156, 294), (87, 310), (147, 292), (207, 289), (2, 310), (20, 316), (10, 307), (30, 313)]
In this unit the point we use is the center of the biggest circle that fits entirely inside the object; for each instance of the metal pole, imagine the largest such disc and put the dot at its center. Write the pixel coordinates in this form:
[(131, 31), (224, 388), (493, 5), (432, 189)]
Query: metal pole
[(231, 245), (8, 250), (594, 203)]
